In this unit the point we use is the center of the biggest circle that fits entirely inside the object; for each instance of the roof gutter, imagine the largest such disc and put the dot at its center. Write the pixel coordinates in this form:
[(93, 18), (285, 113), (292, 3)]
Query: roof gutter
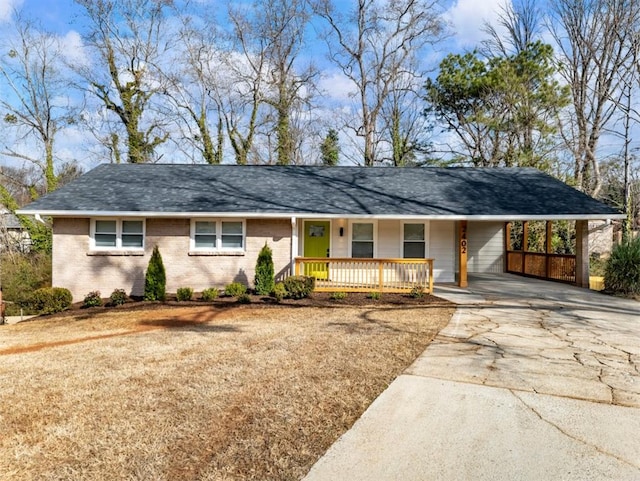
[(305, 215)]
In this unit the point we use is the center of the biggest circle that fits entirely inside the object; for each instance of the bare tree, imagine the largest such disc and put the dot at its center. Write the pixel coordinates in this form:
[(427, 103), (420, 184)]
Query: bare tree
[(594, 38), (129, 39), (270, 35), (624, 126), (519, 24), (241, 93), (374, 45), (37, 106), (405, 128), (189, 81)]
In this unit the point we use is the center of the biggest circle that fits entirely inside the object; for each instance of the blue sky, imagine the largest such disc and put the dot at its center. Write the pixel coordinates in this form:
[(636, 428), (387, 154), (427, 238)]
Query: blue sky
[(466, 18)]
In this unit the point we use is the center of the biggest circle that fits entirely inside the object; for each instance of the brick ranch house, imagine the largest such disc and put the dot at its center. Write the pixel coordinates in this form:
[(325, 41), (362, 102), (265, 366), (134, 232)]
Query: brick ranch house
[(353, 228)]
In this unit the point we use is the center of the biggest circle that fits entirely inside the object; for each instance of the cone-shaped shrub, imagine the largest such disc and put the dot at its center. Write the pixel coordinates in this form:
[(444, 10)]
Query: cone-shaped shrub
[(622, 272), (155, 279), (264, 280)]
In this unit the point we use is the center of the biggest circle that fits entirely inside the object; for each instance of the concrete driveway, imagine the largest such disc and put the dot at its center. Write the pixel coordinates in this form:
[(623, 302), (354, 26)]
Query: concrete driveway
[(530, 380)]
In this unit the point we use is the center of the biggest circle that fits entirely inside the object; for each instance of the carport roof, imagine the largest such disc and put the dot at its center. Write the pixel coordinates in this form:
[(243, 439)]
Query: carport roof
[(168, 190)]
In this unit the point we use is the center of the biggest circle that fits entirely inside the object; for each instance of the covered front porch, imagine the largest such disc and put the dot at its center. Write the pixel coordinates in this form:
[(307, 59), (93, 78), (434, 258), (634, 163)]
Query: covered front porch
[(391, 254), (401, 254)]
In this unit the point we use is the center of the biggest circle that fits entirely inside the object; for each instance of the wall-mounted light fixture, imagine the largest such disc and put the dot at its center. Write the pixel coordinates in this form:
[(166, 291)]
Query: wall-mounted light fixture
[(341, 231)]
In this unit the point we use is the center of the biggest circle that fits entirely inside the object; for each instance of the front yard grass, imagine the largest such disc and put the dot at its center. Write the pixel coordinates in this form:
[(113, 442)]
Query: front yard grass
[(196, 393)]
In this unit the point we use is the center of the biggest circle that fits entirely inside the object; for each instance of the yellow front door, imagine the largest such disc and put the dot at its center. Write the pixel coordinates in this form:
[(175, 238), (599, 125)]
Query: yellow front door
[(317, 243)]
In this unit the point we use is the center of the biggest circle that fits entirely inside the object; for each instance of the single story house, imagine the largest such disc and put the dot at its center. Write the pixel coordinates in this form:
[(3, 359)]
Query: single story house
[(353, 228)]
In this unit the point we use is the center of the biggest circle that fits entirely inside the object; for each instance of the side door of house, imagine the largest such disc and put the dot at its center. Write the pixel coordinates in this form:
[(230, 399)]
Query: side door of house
[(317, 243)]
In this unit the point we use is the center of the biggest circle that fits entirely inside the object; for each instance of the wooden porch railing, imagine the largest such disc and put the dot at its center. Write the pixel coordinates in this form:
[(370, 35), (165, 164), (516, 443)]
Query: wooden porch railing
[(557, 267), (367, 275)]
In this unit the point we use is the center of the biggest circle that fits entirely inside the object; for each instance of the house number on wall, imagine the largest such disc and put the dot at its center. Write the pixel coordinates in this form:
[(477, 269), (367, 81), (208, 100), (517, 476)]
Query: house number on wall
[(463, 240)]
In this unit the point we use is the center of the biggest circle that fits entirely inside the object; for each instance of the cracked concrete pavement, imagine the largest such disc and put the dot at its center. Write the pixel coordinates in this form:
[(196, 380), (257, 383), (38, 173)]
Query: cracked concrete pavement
[(530, 380)]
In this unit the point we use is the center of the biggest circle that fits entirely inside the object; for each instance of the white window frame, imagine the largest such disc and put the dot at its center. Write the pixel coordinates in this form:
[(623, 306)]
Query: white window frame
[(218, 248), (119, 221), (375, 234), (426, 237)]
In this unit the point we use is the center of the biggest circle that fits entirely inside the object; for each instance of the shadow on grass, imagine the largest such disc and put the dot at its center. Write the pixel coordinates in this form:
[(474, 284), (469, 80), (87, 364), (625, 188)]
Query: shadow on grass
[(371, 318), (189, 325)]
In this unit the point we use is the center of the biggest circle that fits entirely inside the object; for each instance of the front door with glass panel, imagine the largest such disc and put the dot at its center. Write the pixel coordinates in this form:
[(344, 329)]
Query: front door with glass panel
[(317, 242)]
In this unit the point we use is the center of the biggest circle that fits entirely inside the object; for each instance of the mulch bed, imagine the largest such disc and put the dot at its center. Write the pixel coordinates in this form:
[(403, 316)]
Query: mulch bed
[(317, 299)]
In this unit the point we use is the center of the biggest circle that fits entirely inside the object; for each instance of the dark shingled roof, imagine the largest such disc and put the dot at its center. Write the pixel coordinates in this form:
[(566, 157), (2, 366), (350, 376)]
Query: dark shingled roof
[(10, 221), (331, 191)]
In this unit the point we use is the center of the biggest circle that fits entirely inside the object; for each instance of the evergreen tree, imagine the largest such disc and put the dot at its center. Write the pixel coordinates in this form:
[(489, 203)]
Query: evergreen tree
[(264, 280), (503, 110), (330, 149), (155, 279)]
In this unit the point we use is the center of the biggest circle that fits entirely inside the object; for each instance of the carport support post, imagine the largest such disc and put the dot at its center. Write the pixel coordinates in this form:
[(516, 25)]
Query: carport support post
[(548, 244), (525, 245), (582, 253), (462, 253)]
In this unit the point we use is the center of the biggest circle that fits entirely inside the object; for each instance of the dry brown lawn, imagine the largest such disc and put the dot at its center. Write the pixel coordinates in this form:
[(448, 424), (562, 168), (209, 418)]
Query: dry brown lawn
[(196, 393)]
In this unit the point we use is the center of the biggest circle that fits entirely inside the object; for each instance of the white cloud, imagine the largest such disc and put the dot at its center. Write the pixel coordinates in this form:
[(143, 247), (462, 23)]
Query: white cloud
[(7, 7), (467, 18), (73, 48), (337, 87)]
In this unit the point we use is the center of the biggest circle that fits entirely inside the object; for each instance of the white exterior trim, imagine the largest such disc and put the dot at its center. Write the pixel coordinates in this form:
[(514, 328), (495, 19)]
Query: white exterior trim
[(218, 248), (294, 243), (285, 215), (426, 224), (350, 234), (118, 247)]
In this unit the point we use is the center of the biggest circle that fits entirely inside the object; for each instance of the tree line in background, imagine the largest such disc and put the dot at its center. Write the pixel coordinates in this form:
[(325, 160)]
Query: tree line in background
[(162, 80)]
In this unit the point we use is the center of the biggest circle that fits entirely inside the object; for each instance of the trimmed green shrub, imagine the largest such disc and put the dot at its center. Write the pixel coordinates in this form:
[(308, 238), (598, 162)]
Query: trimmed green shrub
[(417, 292), (155, 279), (244, 298), (235, 289), (184, 294), (338, 296), (118, 297), (622, 272), (299, 287), (264, 280), (279, 292), (92, 299), (210, 294), (49, 300), (375, 296)]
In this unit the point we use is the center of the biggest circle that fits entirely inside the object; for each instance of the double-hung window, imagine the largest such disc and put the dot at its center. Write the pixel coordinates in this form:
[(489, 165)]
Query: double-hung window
[(232, 235), (217, 235), (109, 234), (413, 241), (362, 240), (204, 235)]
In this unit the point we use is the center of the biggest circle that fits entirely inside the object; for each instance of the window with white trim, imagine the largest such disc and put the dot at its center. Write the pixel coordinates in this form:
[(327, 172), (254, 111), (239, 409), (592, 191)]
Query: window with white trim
[(362, 245), (413, 241), (125, 234), (204, 235), (217, 235)]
